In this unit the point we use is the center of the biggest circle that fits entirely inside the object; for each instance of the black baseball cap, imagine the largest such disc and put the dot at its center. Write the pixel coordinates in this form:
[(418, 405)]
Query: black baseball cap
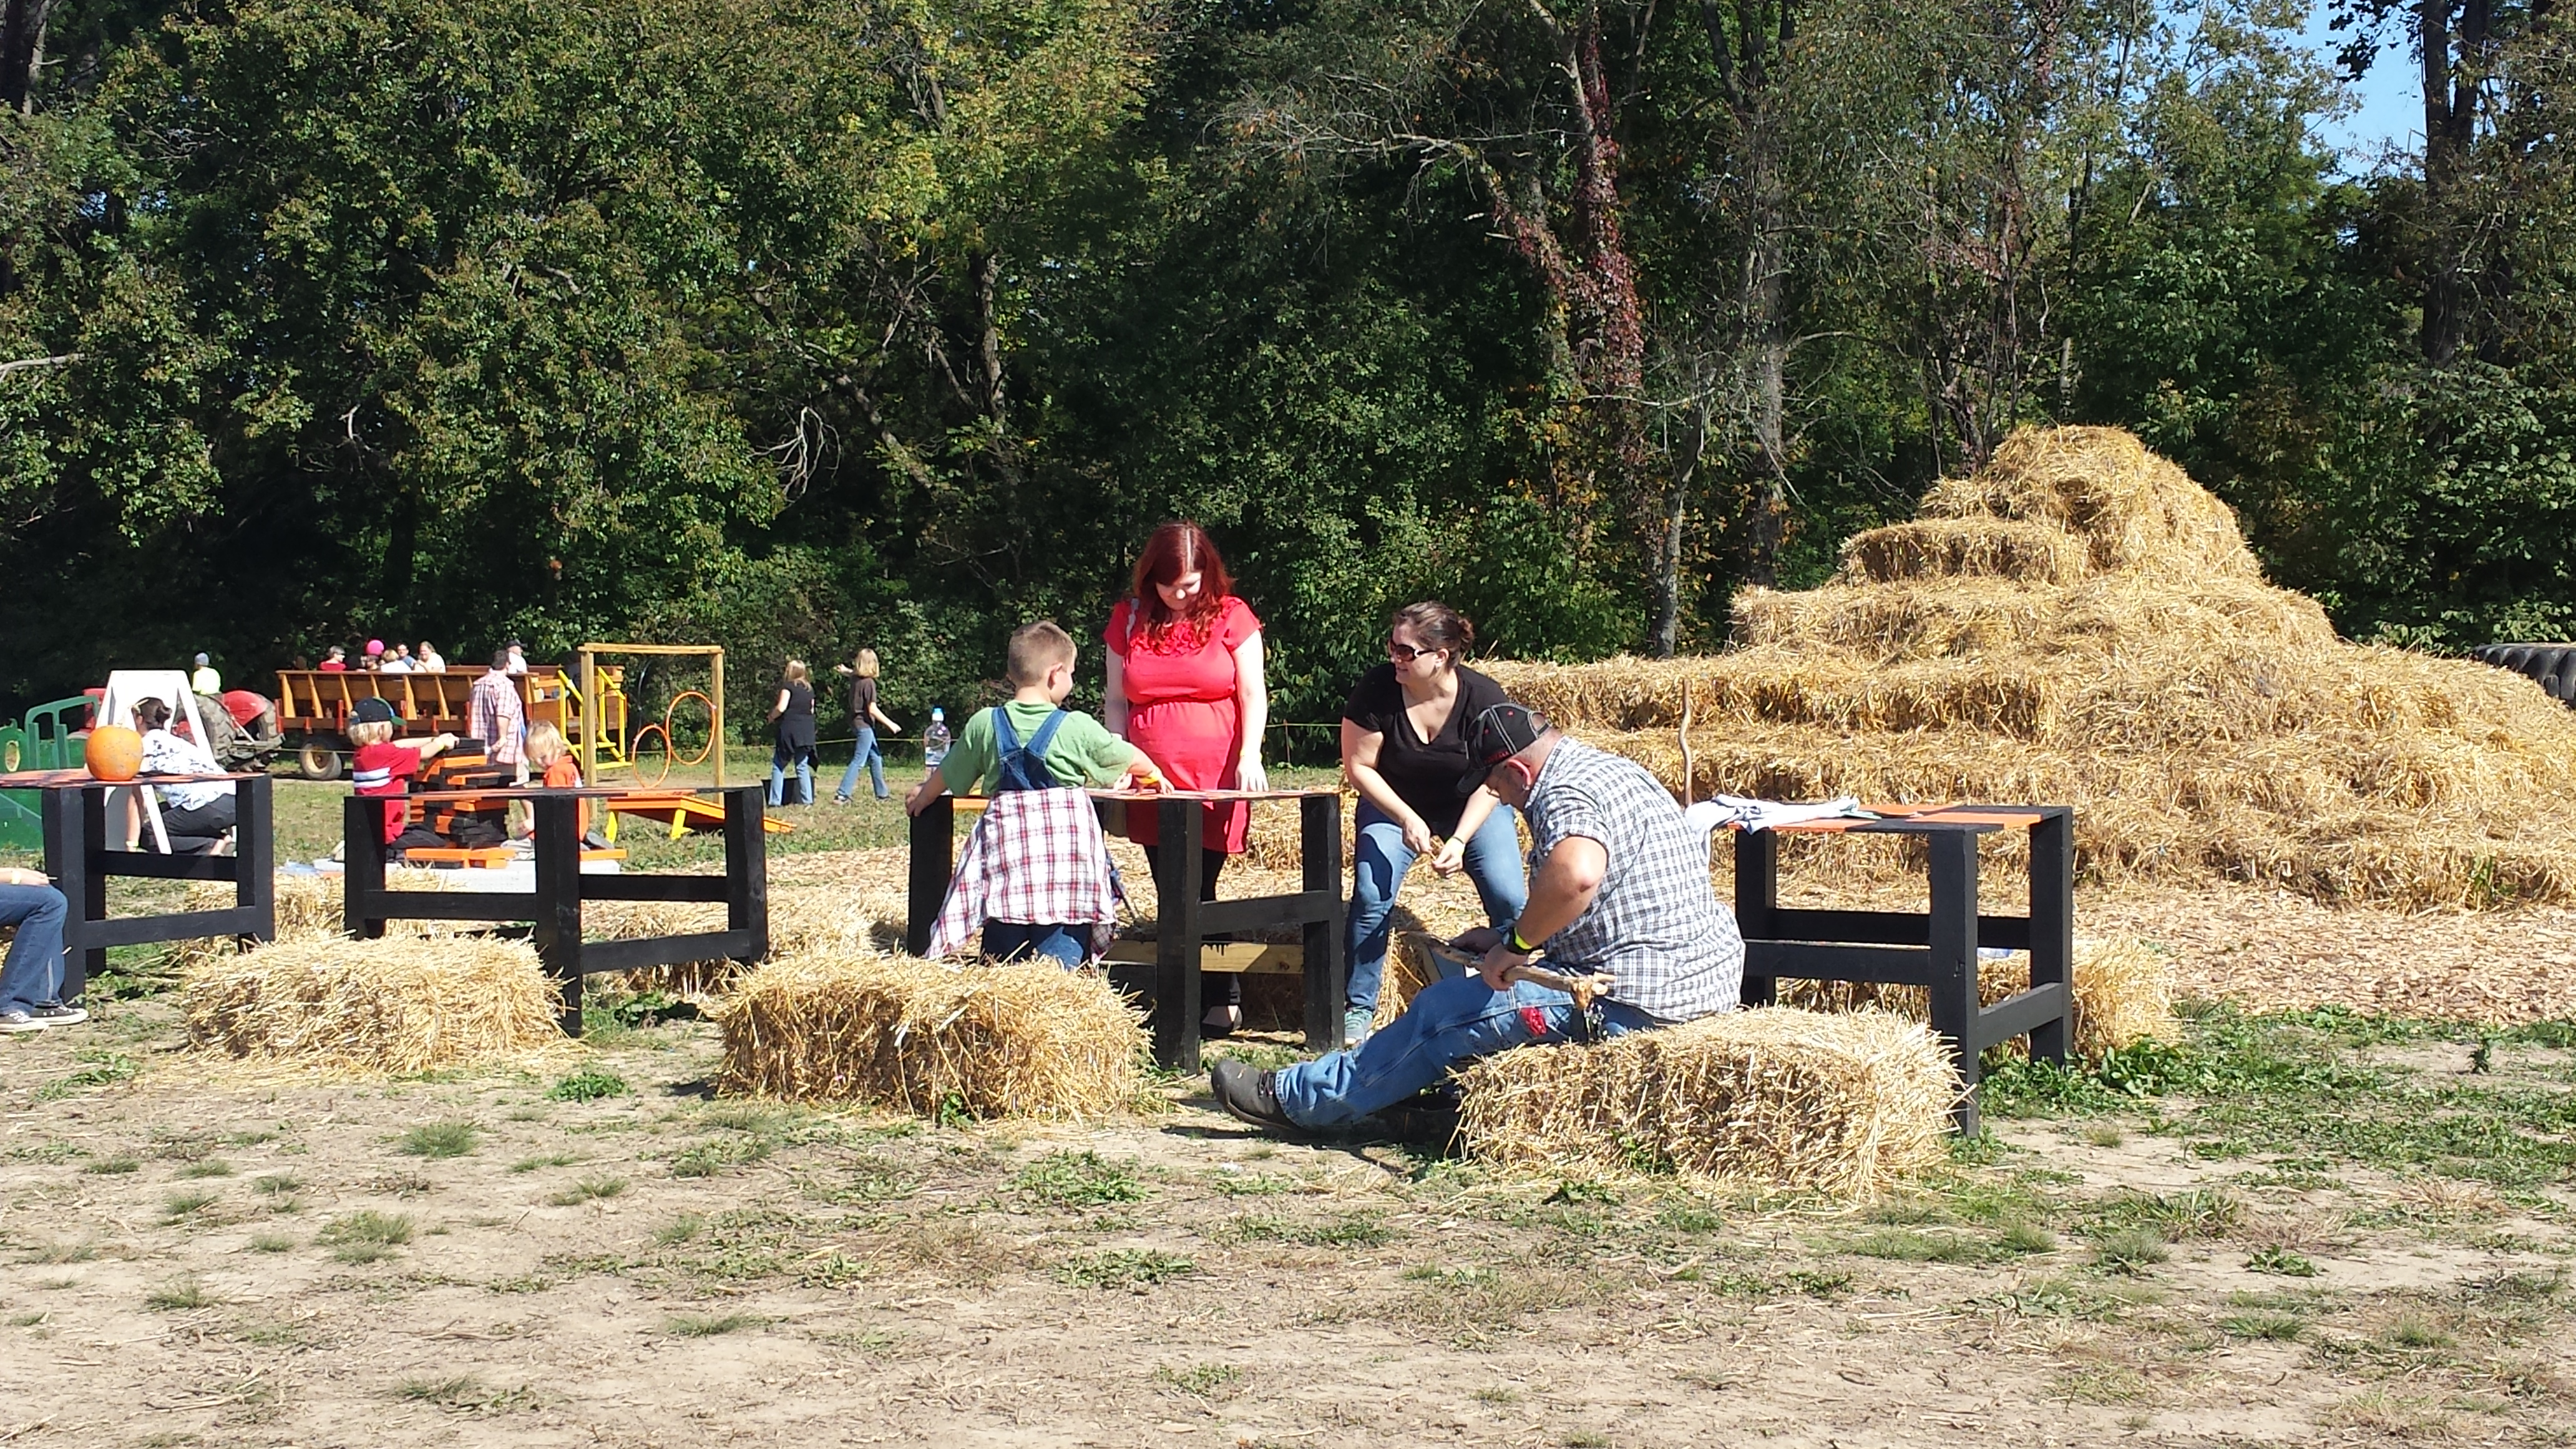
[(372, 710), (1497, 733)]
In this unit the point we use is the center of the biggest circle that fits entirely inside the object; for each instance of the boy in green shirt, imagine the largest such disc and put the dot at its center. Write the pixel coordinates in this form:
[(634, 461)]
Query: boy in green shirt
[(1035, 874), (1082, 752)]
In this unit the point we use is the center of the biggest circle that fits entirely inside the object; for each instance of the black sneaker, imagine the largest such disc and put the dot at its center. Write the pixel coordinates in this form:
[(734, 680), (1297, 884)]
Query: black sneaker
[(1246, 1094), (54, 1013)]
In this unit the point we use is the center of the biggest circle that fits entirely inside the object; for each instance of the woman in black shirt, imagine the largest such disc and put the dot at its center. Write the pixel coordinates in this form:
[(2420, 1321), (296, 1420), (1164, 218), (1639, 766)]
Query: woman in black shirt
[(1401, 749), (794, 716)]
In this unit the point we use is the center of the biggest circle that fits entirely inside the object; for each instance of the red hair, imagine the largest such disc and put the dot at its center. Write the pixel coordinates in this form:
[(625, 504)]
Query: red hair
[(1175, 549)]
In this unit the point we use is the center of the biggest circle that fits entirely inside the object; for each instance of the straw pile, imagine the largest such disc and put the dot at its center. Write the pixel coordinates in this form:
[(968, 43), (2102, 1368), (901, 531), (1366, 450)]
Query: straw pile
[(1020, 1040), (1775, 1098), (395, 1005), (2123, 995), (2204, 724)]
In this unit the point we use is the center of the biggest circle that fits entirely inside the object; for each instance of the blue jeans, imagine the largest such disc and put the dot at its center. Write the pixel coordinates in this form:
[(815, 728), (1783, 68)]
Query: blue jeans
[(1378, 863), (869, 755), (778, 757), (33, 974), (1449, 1022), (1062, 944)]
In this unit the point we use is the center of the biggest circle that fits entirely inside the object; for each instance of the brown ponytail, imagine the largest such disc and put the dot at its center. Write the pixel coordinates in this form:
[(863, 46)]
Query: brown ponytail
[(1438, 627)]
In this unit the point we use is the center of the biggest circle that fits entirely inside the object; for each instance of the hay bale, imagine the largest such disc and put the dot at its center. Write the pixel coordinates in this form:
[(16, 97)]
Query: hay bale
[(2133, 510), (1774, 1098), (2123, 994), (1953, 548), (1018, 1040), (1409, 968), (394, 1005)]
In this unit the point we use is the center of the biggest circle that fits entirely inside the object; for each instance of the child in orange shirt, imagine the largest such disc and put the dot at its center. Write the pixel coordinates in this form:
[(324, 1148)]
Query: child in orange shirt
[(550, 754)]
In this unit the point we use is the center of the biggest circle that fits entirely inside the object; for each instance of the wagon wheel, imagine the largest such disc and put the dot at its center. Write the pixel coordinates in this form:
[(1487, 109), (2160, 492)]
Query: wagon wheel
[(318, 762)]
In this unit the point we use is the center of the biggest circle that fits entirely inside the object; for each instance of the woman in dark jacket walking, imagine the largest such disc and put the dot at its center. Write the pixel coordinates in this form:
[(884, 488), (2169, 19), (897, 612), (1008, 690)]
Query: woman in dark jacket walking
[(794, 715)]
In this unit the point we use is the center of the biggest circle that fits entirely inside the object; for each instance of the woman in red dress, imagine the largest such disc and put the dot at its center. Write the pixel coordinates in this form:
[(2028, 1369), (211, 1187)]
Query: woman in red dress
[(1186, 687)]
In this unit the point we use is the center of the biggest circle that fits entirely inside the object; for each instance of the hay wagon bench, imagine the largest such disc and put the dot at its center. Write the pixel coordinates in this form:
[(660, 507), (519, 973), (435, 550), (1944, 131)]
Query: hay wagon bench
[(1936, 949), (554, 907), (74, 810), (1180, 952)]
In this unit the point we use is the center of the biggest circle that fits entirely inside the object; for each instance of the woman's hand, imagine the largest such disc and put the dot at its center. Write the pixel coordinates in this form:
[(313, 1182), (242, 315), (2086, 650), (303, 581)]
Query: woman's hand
[(1417, 834), (1452, 857), (1248, 774)]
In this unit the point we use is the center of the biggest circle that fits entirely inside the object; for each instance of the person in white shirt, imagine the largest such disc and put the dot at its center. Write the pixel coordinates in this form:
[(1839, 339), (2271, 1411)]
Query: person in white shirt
[(397, 661), (428, 660), (201, 811), (205, 680)]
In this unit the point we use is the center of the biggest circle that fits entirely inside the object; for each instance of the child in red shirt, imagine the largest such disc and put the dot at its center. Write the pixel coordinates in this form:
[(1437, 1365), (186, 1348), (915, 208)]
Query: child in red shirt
[(382, 765)]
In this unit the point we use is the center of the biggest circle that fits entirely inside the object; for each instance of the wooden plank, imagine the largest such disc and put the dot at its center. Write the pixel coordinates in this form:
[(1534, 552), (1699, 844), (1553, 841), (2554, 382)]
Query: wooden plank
[(1250, 958)]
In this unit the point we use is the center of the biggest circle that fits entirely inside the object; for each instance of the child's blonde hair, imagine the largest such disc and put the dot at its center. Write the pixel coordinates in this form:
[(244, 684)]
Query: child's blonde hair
[(865, 666), (546, 744), (796, 669), (1037, 648), (371, 732)]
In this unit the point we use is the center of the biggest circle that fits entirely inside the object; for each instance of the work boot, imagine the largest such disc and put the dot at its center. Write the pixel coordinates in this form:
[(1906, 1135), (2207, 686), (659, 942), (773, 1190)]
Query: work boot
[(1247, 1095)]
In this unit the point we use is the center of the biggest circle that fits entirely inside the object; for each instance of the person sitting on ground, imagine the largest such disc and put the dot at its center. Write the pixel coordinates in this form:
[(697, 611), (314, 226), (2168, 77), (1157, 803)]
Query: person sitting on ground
[(1619, 887), (31, 979), (383, 765), (550, 757), (429, 660), (196, 816), (495, 715), (336, 661), (1035, 872)]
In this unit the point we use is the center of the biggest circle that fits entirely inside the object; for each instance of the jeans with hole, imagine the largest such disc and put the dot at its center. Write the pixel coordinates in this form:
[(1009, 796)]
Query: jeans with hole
[(33, 973), (1449, 1022), (1064, 945), (1379, 860), (869, 755)]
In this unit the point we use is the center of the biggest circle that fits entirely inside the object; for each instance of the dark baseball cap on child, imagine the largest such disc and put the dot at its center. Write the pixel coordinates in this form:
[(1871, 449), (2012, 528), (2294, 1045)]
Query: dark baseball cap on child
[(372, 711), (1497, 733)]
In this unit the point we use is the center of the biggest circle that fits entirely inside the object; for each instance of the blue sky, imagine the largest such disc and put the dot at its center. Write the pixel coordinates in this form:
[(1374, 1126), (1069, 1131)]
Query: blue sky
[(2392, 103)]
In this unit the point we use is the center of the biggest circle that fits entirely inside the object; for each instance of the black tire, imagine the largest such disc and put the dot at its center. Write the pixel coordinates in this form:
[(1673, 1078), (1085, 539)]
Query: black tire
[(2494, 654), (318, 762), (2510, 656), (2565, 693), (2544, 663)]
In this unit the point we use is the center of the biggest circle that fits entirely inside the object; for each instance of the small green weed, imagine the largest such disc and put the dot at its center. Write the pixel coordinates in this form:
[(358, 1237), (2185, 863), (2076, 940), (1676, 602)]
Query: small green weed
[(179, 1294), (2281, 1261), (1136, 1268), (2414, 1330), (466, 1394), (2278, 1327), (439, 1139), (1904, 1245), (1078, 1179), (271, 1243), (589, 1084), (2130, 1250), (544, 1159), (2025, 1238), (180, 1206), (679, 1230), (708, 1325), (109, 1166), (211, 1167), (1205, 1380), (275, 1184), (1357, 1231), (366, 1236)]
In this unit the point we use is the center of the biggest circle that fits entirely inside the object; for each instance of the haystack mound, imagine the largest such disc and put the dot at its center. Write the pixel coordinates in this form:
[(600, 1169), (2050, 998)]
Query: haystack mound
[(1774, 1097), (395, 1005), (2081, 624), (1021, 1040)]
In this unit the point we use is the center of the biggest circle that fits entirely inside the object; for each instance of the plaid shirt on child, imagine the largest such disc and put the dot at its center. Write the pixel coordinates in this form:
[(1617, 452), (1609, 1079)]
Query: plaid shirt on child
[(1036, 858)]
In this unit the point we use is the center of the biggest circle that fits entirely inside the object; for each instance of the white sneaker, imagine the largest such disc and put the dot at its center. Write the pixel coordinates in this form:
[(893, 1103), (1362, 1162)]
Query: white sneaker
[(14, 1020)]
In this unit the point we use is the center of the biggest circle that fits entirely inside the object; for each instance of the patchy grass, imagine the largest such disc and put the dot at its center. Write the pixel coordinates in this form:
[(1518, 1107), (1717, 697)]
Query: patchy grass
[(1359, 1230), (211, 1167), (179, 1207), (180, 1295), (709, 1325), (436, 1140), (365, 1236), (2130, 1250), (589, 1189), (1137, 1268), (112, 1166), (2282, 1262), (589, 1084), (271, 1243), (466, 1394), (1078, 1179)]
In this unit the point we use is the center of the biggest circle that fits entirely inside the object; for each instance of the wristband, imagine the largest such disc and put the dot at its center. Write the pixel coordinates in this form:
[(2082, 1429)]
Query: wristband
[(1518, 945)]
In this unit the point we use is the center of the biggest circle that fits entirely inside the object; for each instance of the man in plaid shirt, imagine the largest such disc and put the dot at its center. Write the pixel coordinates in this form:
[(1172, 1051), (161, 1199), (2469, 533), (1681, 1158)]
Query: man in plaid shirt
[(1619, 886), (1035, 872)]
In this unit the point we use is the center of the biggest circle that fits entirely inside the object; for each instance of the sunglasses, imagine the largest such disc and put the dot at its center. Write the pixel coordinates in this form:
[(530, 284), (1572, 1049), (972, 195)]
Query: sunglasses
[(1405, 653)]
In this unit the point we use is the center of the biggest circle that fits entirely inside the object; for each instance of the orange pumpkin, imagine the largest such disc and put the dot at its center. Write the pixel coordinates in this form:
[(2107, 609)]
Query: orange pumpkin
[(114, 753)]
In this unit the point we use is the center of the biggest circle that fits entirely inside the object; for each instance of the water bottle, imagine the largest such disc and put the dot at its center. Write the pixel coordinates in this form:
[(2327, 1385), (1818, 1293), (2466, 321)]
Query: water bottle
[(934, 740)]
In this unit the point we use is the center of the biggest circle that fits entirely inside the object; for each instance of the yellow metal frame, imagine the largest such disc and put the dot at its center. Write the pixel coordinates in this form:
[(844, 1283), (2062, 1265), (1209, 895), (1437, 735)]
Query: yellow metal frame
[(589, 686)]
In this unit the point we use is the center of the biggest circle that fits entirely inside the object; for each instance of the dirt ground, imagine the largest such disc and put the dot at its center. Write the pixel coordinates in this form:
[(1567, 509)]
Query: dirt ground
[(200, 1255)]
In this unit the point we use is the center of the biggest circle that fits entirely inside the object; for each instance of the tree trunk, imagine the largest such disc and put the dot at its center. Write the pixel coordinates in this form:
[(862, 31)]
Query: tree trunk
[(2450, 114), (22, 51)]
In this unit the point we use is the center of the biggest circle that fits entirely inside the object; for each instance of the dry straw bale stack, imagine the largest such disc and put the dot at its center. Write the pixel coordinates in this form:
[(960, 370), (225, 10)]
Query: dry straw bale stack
[(1776, 1097), (1022, 1040), (2123, 994), (2204, 724), (395, 1005)]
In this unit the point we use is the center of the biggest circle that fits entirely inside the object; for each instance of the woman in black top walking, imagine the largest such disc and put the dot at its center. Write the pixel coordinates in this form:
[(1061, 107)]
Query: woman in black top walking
[(794, 716), (1402, 750)]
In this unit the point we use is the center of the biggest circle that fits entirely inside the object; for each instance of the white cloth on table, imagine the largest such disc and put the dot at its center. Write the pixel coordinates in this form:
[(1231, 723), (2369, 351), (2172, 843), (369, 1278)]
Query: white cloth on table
[(1721, 810)]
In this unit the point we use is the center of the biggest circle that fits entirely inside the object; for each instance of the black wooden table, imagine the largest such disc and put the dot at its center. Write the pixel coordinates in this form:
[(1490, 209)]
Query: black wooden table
[(1935, 949), (554, 907), (1183, 922), (74, 811)]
